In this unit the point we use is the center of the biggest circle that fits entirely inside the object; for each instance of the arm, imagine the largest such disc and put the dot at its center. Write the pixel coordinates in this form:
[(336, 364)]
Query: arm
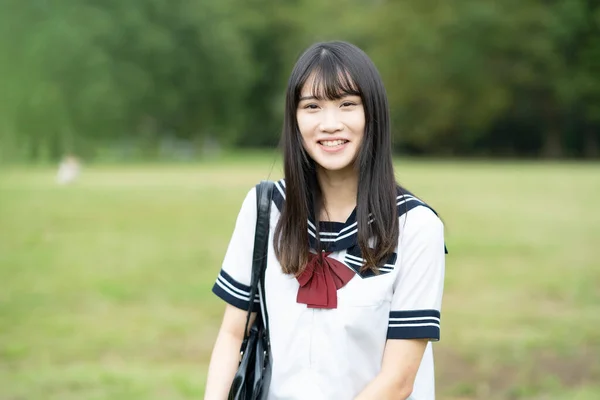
[(415, 308), (401, 360), (233, 286), (226, 353)]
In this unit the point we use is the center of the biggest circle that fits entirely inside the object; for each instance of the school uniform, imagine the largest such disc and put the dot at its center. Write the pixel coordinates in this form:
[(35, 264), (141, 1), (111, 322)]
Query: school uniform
[(333, 353)]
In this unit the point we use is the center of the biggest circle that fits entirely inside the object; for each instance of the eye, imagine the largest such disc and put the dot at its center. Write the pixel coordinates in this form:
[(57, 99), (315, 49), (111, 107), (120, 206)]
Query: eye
[(348, 104), (311, 106)]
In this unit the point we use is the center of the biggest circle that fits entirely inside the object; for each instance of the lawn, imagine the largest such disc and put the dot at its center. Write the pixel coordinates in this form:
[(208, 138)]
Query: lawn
[(105, 284)]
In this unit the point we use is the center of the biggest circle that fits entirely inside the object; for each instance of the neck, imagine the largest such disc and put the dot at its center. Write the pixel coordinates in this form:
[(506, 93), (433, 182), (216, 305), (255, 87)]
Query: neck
[(339, 191)]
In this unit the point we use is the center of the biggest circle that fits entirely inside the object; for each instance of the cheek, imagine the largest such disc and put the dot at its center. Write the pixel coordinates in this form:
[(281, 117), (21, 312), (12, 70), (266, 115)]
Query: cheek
[(358, 124), (305, 126)]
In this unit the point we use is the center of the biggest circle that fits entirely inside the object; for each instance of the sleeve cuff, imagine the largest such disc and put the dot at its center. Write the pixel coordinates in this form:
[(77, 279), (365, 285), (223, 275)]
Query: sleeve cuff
[(416, 324), (234, 293)]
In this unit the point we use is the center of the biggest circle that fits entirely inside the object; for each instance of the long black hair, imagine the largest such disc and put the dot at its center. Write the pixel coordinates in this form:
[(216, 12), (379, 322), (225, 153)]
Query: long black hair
[(338, 68)]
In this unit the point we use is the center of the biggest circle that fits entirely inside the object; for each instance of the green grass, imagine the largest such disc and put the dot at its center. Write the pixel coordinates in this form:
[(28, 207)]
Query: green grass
[(105, 285)]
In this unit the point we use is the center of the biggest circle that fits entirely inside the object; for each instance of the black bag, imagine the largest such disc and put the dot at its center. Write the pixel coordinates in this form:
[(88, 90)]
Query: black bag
[(251, 381)]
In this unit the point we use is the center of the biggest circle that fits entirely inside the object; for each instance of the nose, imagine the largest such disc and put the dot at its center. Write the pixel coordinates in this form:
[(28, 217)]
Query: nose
[(330, 122)]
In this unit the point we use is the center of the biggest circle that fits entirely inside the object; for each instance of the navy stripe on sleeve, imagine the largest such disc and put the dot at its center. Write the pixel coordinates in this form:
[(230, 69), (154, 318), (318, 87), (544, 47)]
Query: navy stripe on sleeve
[(415, 324), (233, 292)]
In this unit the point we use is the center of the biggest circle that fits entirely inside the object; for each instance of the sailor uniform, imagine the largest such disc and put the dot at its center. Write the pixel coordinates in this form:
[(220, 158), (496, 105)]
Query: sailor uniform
[(331, 348)]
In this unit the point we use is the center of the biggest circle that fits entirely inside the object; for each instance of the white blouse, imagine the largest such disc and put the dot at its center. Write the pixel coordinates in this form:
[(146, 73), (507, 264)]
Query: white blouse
[(334, 353)]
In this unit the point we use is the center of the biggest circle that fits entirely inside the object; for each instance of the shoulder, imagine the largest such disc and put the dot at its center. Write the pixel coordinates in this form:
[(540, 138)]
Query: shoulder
[(250, 198), (247, 210), (421, 219), (420, 226), (278, 197)]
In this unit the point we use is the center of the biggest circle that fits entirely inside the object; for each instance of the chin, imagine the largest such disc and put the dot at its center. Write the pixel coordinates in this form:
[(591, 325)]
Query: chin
[(328, 165)]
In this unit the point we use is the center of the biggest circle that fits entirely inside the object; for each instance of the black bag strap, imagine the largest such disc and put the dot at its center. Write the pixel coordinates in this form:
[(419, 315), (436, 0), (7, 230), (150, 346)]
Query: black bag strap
[(264, 194)]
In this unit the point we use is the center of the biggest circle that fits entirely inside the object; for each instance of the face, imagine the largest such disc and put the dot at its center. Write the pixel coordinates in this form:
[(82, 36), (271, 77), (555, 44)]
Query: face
[(332, 130)]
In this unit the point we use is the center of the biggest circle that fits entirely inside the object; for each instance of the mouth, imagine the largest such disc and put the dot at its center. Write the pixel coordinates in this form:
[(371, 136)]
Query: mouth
[(332, 143)]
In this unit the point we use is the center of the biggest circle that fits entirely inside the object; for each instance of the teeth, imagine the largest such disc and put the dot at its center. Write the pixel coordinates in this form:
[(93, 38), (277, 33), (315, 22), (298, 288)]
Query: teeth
[(332, 143)]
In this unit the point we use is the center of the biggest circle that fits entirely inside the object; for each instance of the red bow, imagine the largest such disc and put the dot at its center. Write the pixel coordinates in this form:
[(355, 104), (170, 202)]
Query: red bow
[(320, 280)]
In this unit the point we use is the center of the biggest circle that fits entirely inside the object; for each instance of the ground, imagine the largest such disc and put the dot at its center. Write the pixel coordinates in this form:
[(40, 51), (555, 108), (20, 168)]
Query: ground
[(105, 284)]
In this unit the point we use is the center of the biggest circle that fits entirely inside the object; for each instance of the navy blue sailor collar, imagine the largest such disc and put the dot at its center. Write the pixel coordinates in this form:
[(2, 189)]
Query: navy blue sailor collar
[(337, 236)]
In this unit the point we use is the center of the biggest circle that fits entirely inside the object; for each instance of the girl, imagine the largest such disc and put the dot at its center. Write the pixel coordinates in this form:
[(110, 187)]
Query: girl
[(355, 267)]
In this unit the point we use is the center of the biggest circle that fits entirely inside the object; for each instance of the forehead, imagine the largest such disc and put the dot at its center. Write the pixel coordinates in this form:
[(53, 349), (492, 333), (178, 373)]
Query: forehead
[(329, 85)]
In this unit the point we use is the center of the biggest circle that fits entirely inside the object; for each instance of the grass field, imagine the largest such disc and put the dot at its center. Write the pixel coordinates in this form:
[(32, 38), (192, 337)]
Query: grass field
[(105, 285)]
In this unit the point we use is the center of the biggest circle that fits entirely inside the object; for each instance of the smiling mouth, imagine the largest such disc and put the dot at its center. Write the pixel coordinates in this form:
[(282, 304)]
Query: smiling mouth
[(332, 143)]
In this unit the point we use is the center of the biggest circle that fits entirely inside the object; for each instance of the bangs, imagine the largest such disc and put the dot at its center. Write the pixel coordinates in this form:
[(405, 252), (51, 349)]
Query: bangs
[(328, 79)]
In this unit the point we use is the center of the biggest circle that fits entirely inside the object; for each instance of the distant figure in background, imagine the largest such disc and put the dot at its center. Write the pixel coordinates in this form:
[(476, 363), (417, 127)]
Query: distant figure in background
[(68, 170)]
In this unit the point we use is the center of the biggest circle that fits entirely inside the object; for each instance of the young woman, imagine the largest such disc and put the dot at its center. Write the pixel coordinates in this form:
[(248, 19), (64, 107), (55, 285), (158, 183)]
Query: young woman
[(355, 269)]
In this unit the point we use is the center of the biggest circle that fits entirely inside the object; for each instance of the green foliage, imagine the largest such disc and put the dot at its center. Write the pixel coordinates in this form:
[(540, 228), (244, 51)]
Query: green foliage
[(463, 77)]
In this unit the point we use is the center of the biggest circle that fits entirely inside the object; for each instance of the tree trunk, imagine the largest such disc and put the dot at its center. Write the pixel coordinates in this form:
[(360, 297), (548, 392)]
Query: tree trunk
[(590, 149), (552, 142)]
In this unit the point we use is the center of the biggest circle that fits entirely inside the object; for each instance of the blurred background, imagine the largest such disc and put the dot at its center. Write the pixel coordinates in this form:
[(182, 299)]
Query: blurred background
[(130, 132)]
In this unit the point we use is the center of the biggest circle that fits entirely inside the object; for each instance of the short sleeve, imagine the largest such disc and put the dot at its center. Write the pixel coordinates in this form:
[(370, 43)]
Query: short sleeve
[(418, 288), (234, 279)]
